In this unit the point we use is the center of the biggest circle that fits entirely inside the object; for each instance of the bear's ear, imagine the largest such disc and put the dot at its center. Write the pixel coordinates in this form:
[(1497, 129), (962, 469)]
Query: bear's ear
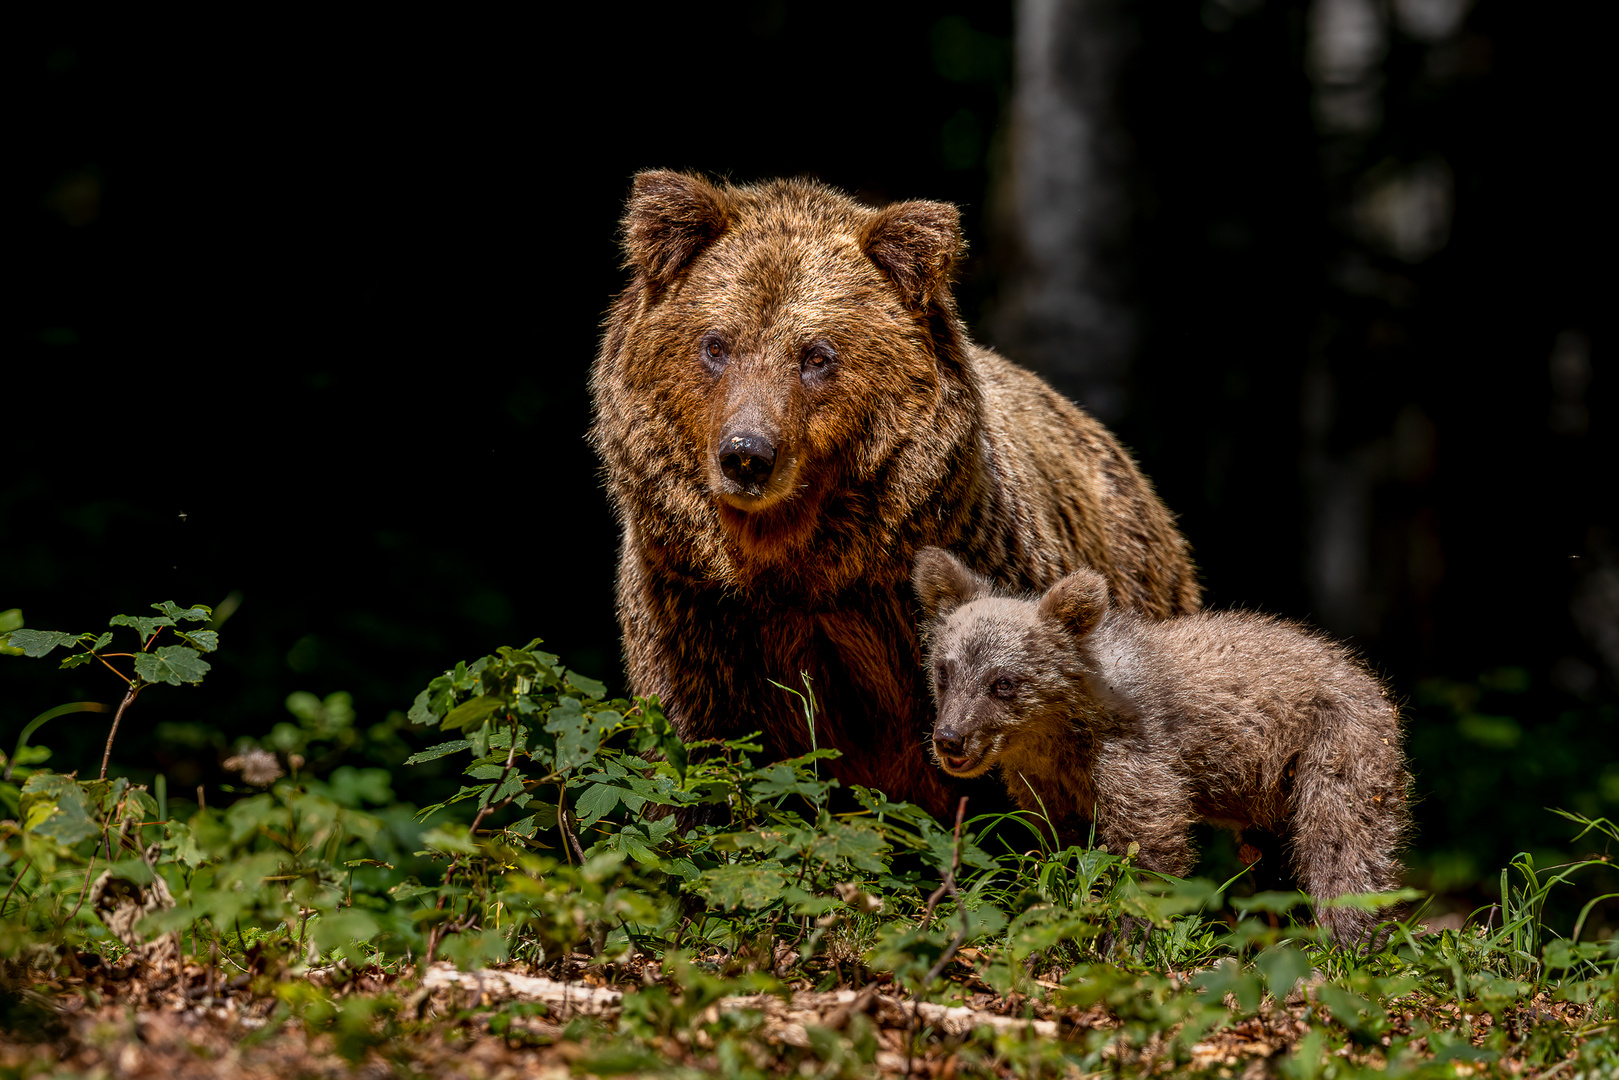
[(670, 217), (916, 244), (943, 582), (1077, 602)]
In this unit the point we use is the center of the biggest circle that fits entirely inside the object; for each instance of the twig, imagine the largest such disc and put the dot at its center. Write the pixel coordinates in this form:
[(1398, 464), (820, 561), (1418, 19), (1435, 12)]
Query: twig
[(129, 695), (489, 807), (949, 954), (89, 869), (128, 681), (564, 823), (27, 864)]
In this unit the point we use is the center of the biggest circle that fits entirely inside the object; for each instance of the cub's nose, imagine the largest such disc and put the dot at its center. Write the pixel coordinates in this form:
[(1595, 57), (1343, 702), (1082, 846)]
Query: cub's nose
[(747, 459), (948, 744)]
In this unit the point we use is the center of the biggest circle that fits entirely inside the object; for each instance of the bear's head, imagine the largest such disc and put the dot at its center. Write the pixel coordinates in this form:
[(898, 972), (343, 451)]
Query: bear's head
[(793, 340)]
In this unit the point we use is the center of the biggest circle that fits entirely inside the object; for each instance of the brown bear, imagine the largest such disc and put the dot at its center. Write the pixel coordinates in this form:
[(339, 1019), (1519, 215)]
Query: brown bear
[(1094, 712), (787, 407)]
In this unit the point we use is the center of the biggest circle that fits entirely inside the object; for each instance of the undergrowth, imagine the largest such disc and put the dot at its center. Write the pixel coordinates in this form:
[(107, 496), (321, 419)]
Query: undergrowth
[(588, 843)]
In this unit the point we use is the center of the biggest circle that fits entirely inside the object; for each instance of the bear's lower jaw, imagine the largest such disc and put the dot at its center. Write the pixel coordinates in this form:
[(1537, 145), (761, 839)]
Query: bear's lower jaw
[(756, 498), (768, 527), (965, 767), (748, 502)]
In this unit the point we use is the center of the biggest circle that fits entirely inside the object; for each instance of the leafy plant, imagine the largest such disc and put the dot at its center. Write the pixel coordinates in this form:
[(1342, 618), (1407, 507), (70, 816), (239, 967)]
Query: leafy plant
[(173, 664)]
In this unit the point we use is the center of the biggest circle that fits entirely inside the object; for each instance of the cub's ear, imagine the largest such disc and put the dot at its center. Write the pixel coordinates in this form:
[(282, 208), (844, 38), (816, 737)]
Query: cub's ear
[(916, 244), (669, 218), (943, 582), (1077, 602)]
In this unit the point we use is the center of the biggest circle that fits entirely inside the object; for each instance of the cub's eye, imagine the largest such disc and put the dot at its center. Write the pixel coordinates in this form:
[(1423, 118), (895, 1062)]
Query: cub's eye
[(1004, 688), (939, 679), (714, 351)]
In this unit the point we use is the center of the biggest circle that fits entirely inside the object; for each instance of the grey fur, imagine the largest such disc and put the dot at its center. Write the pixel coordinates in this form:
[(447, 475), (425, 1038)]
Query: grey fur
[(1095, 712)]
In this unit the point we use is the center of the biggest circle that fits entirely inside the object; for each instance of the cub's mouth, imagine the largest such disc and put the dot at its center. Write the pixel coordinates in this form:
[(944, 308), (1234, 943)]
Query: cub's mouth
[(965, 765)]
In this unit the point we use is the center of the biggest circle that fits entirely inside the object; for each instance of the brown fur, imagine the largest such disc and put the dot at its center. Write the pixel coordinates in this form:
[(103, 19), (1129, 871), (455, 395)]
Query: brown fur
[(787, 408), (1094, 712)]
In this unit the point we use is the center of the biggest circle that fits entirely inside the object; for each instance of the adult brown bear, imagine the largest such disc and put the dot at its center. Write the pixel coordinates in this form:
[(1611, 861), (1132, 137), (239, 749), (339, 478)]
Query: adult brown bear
[(787, 408)]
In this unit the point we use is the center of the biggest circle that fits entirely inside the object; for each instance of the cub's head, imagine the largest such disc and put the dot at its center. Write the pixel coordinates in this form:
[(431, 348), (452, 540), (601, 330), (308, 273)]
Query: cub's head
[(997, 664)]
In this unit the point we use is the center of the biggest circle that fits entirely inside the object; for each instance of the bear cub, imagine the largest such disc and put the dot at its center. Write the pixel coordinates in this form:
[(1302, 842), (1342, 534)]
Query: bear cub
[(1095, 712)]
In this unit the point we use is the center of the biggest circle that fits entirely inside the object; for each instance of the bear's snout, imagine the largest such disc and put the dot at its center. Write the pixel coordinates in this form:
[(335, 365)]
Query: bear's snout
[(747, 459)]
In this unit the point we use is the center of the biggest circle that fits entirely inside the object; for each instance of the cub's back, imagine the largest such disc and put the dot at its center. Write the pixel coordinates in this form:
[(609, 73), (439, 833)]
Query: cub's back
[(1233, 674)]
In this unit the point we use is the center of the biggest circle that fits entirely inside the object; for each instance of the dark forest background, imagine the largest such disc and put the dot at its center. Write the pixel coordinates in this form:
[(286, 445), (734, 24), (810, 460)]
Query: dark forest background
[(302, 312)]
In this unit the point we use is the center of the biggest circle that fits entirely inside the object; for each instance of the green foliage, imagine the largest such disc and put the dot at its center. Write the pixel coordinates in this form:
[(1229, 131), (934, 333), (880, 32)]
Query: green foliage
[(583, 829), (295, 870)]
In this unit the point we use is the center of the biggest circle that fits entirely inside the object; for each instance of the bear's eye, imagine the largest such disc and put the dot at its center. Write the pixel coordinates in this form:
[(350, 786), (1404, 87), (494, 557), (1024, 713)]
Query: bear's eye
[(939, 680), (713, 352), (1004, 688), (819, 360)]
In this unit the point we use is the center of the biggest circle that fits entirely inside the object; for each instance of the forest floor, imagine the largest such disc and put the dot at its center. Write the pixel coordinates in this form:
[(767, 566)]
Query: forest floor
[(141, 1020)]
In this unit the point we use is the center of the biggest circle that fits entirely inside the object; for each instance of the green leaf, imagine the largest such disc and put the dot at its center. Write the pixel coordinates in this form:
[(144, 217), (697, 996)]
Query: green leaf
[(452, 839), (431, 704), (39, 642), (143, 625), (1159, 903), (511, 789), (202, 640), (1373, 901), (747, 885), (433, 753), (1228, 978), (354, 787), (343, 927), (859, 845), (474, 949), (579, 734), (56, 806), (590, 687), (1282, 967), (641, 842), (173, 664), (782, 779), (1346, 1008), (1278, 902), (472, 713), (197, 613), (596, 802)]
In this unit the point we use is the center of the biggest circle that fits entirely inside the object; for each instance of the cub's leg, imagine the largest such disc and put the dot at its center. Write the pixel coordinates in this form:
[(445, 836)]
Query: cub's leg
[(1349, 818), (1142, 801)]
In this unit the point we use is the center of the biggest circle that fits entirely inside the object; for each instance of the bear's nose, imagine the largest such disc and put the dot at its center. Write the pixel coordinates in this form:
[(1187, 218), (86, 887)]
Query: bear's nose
[(948, 744), (747, 459)]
